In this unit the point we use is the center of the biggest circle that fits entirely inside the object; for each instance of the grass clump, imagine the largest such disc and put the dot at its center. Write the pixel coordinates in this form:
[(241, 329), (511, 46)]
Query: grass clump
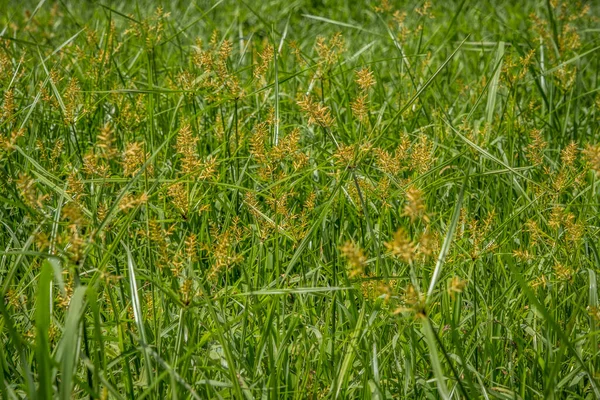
[(299, 200)]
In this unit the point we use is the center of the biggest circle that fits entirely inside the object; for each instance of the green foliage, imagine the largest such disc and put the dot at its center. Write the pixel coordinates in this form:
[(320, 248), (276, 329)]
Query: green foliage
[(299, 200)]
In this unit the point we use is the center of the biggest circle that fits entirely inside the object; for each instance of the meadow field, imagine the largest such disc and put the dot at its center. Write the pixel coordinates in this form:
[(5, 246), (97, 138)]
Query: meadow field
[(301, 199)]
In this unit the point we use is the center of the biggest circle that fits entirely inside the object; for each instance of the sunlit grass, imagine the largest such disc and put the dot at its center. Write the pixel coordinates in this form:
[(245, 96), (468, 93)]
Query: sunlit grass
[(299, 200)]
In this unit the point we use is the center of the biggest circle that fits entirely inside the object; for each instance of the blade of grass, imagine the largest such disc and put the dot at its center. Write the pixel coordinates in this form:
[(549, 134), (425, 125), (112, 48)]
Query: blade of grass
[(43, 313), (448, 239), (434, 360), (68, 352), (137, 313), (493, 89), (349, 354)]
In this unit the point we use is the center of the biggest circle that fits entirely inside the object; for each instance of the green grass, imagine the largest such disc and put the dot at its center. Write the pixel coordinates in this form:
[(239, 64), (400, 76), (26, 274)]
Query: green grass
[(299, 199)]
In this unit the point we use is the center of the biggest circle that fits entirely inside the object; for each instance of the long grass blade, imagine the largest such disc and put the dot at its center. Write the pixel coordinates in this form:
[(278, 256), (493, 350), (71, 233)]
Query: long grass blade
[(70, 343), (138, 314), (448, 239), (43, 314), (438, 372)]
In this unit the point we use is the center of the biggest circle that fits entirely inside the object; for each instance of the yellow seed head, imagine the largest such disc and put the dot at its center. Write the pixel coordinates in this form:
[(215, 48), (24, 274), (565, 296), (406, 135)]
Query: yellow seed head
[(106, 143), (414, 208), (186, 148), (130, 201), (8, 107), (179, 196), (355, 257), (425, 10), (317, 113), (592, 157), (8, 143), (535, 150), (523, 255), (329, 52), (563, 272), (360, 107), (421, 156), (365, 79), (568, 155), (133, 158), (401, 246), (413, 302), (266, 56), (383, 7), (456, 285)]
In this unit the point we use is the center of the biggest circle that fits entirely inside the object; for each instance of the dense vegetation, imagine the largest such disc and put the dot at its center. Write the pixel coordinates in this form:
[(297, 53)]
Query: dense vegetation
[(299, 199)]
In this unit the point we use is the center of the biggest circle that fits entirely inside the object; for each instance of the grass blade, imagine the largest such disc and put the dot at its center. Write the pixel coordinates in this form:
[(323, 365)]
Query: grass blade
[(448, 239), (137, 313), (349, 355), (43, 312), (493, 89), (438, 372), (68, 352)]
